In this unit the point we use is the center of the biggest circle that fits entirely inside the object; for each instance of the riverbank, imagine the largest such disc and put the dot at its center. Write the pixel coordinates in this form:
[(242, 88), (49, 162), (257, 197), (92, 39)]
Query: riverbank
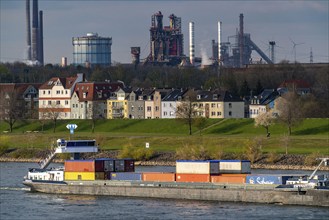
[(172, 163)]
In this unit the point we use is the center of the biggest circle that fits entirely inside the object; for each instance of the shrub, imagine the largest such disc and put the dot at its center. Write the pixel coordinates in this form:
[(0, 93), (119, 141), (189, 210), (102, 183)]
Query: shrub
[(311, 159), (253, 149), (137, 153), (188, 152), (272, 158), (4, 144)]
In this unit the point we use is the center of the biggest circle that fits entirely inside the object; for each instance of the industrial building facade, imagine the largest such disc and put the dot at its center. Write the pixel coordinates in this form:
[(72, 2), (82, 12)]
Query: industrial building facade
[(92, 50)]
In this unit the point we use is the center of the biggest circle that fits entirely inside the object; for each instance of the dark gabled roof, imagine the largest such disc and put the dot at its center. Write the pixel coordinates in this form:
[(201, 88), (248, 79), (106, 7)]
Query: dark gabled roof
[(266, 96), (217, 95), (174, 95)]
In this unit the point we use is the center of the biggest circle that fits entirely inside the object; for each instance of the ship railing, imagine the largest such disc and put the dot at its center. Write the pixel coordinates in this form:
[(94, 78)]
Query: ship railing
[(45, 162)]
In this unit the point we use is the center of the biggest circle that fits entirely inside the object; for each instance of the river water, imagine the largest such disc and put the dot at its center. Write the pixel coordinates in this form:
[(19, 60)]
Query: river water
[(16, 202)]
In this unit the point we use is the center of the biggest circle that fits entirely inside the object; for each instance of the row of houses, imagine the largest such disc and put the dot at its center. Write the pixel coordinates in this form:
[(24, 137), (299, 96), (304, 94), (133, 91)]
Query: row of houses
[(76, 98)]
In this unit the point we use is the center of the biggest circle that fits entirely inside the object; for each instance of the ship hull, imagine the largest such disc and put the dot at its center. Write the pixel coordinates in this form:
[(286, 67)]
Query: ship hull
[(189, 191)]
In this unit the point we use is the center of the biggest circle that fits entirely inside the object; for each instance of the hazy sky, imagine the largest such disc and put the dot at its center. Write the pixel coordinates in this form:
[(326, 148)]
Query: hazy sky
[(128, 23)]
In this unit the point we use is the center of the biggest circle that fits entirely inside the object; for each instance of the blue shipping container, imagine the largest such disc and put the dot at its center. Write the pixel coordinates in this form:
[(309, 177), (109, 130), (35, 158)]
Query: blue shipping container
[(126, 176), (266, 179)]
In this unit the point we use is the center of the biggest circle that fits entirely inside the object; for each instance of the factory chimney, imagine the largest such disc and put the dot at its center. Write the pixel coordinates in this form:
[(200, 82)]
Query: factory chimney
[(241, 41), (219, 40), (28, 30), (192, 45), (35, 31), (40, 38)]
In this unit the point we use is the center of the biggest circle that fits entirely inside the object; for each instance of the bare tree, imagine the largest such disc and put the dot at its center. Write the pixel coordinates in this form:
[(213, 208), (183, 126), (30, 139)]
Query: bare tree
[(11, 108), (186, 111), (51, 112), (95, 112), (289, 108), (265, 120)]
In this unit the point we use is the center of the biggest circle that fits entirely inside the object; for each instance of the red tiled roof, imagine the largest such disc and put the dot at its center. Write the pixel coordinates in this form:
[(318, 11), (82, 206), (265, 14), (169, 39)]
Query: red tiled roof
[(66, 82), (95, 91), (20, 88)]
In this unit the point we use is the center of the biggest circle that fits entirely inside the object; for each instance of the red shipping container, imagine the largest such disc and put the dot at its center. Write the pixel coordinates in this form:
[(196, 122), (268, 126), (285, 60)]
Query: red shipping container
[(229, 178), (129, 166), (79, 166), (159, 177), (99, 165), (201, 178)]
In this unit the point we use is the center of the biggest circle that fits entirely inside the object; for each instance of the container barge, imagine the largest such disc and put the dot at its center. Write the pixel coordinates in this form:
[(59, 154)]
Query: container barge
[(214, 180)]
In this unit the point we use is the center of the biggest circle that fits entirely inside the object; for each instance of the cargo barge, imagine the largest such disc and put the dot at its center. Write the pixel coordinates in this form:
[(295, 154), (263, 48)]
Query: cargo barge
[(213, 180)]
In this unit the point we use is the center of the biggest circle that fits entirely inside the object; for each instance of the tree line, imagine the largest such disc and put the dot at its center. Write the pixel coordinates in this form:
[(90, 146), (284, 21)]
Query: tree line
[(244, 82)]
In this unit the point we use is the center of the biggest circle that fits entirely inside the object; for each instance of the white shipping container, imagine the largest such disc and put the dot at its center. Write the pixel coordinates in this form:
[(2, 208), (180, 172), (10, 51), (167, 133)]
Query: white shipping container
[(234, 166), (197, 167)]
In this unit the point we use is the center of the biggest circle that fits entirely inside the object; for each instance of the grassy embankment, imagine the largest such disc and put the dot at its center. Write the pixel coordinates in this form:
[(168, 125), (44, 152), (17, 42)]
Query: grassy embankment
[(228, 135)]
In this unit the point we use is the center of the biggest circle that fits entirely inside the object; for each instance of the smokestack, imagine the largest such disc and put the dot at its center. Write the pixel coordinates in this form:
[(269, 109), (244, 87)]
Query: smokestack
[(192, 49), (241, 41), (35, 31), (28, 30), (40, 38), (219, 39)]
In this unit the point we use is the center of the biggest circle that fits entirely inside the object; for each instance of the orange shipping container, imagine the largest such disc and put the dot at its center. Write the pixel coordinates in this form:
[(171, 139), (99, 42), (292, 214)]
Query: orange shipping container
[(79, 166), (193, 178), (230, 178), (161, 177)]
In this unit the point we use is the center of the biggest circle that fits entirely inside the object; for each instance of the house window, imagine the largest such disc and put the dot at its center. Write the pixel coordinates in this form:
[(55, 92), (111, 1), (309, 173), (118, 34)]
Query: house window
[(157, 108), (171, 113), (219, 113), (43, 102), (213, 113), (58, 92), (66, 102), (132, 108), (149, 108), (230, 105), (165, 113), (66, 92), (58, 102), (49, 102), (230, 113), (213, 105), (48, 92), (44, 92)]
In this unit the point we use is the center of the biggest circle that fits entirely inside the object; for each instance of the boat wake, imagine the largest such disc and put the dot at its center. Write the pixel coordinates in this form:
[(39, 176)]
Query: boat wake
[(15, 188)]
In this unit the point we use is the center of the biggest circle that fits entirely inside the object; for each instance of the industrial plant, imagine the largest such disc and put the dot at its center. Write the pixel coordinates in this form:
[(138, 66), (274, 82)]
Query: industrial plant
[(166, 42), (237, 54), (35, 47)]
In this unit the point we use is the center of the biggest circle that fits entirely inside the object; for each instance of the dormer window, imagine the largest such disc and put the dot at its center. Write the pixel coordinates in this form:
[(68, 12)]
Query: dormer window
[(214, 96), (85, 95), (198, 97)]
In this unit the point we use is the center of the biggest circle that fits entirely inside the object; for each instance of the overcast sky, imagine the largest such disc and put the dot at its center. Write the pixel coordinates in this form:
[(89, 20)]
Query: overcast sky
[(128, 23)]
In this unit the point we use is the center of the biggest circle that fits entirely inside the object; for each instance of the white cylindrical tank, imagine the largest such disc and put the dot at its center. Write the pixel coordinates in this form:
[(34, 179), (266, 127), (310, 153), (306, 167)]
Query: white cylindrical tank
[(219, 39), (192, 49)]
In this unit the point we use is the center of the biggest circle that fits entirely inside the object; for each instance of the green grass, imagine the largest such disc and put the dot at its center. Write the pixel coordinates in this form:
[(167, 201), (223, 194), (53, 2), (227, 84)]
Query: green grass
[(229, 135)]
